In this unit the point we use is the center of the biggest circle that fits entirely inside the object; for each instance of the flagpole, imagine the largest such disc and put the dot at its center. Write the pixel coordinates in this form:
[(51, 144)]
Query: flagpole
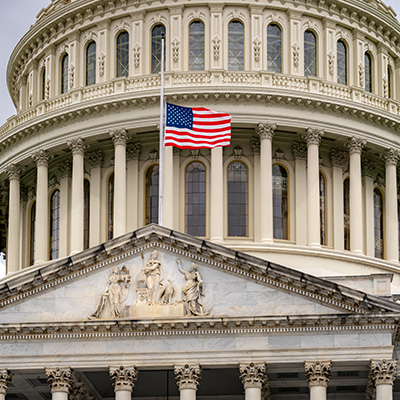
[(161, 148)]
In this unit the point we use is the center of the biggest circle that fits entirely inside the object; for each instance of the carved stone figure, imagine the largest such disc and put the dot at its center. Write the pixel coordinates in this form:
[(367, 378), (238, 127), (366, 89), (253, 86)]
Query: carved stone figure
[(152, 270), (167, 293)]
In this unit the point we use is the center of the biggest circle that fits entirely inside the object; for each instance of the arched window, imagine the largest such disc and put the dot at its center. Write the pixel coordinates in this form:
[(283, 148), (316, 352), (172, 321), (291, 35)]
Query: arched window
[(91, 63), (86, 213), (378, 223), (235, 46), (280, 201), (389, 82), (237, 199), (196, 46), (110, 207), (43, 84), (32, 234), (123, 54), (64, 73), (156, 35), (152, 195), (368, 72), (310, 54), (346, 212), (322, 207), (196, 199), (274, 48), (54, 225), (341, 51)]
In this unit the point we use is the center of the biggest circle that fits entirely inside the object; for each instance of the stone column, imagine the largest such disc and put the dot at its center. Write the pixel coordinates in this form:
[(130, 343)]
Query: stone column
[(13, 241), (5, 380), (368, 172), (64, 171), (255, 145), (355, 146), (253, 377), (217, 196), (313, 138), (60, 380), (123, 379), (133, 153), (383, 374), (41, 158), (266, 132), (317, 374), (168, 188), (78, 147), (391, 157), (187, 378), (120, 138)]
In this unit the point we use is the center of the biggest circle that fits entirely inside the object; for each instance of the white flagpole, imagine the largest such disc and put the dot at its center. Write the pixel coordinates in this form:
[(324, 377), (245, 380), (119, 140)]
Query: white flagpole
[(161, 148)]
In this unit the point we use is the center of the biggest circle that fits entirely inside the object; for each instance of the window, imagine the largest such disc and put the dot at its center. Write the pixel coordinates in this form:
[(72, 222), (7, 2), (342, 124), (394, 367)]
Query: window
[(156, 35), (280, 202), (322, 207), (368, 72), (310, 54), (64, 73), (389, 82), (123, 54), (110, 207), (346, 211), (274, 48), (54, 225), (91, 63), (341, 51), (32, 234), (378, 223), (86, 213), (196, 46), (152, 195), (235, 46), (43, 84), (196, 199)]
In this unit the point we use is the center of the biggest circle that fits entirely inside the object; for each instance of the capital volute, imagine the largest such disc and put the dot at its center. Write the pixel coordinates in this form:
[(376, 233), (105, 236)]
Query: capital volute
[(318, 372), (313, 136), (253, 375), (13, 172), (41, 158), (60, 379), (187, 376), (299, 150), (119, 137), (383, 372), (355, 145), (5, 380), (337, 158), (133, 151), (391, 156), (123, 377), (77, 146), (266, 130)]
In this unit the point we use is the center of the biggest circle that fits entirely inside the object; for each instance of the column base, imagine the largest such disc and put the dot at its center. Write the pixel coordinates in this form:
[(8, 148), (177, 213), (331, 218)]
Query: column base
[(315, 245)]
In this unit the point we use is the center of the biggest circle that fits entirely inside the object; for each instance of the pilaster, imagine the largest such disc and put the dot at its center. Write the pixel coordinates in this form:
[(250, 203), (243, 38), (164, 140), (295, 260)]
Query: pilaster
[(103, 51), (216, 36), (136, 65), (296, 64), (176, 52)]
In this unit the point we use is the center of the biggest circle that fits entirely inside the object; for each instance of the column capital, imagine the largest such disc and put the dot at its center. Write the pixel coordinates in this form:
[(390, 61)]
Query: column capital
[(318, 372), (383, 372), (266, 130), (133, 151), (96, 158), (64, 169), (5, 380), (313, 136), (41, 158), (337, 158), (123, 378), (253, 375), (391, 156), (255, 144), (119, 137), (187, 376), (368, 168), (77, 146), (59, 378), (299, 150), (355, 145), (13, 172)]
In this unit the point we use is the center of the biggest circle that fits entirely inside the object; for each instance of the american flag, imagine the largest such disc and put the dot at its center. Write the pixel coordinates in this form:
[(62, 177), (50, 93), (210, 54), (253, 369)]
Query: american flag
[(196, 128)]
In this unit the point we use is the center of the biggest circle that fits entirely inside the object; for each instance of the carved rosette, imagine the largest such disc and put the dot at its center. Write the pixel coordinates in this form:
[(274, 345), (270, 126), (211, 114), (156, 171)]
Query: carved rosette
[(255, 144), (337, 158), (133, 151), (119, 137), (299, 150), (253, 375), (64, 169), (313, 136), (383, 372), (187, 376), (77, 146), (96, 158), (391, 156), (41, 158), (318, 372), (368, 168), (124, 378), (60, 379), (5, 380), (266, 130), (13, 172), (355, 145)]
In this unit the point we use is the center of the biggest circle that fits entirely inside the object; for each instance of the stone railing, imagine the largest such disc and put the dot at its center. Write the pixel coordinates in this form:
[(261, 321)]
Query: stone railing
[(205, 79)]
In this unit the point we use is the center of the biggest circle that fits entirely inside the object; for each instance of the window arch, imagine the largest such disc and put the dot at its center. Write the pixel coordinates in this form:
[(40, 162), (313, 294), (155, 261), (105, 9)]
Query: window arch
[(86, 213), (341, 50), (280, 202), (151, 195), (64, 73), (237, 199), (196, 46), (196, 199), (55, 225), (110, 206), (310, 54), (156, 35), (122, 56), (389, 82), (32, 233), (91, 63), (43, 84), (322, 207), (235, 46), (368, 72), (274, 48), (346, 212), (378, 223)]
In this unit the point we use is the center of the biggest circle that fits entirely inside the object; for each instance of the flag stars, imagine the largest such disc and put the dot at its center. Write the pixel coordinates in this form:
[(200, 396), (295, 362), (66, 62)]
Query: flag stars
[(179, 117)]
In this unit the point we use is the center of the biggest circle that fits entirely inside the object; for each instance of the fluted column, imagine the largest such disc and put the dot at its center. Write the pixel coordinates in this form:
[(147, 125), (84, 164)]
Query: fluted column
[(41, 159), (313, 138), (64, 171), (355, 146), (78, 147), (123, 379), (120, 138), (383, 374), (391, 157), (217, 196), (5, 380), (187, 378), (13, 241), (60, 380), (317, 374), (368, 173), (133, 153), (253, 377), (266, 132)]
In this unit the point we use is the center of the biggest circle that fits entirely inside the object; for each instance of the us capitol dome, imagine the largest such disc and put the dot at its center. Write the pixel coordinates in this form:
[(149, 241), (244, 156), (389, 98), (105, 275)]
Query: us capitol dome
[(275, 272)]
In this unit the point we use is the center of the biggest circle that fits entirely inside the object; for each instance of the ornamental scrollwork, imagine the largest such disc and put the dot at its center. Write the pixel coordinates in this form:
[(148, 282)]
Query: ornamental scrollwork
[(361, 73), (318, 372), (299, 150), (355, 145), (331, 62), (175, 49), (123, 378), (383, 372), (216, 47), (119, 137), (77, 146), (41, 158), (5, 380), (13, 171), (102, 59), (255, 144), (136, 55), (368, 168), (337, 158), (266, 130), (96, 158), (133, 151), (257, 49), (187, 376), (253, 375), (59, 378), (71, 72), (391, 156), (47, 89), (313, 136), (296, 54)]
